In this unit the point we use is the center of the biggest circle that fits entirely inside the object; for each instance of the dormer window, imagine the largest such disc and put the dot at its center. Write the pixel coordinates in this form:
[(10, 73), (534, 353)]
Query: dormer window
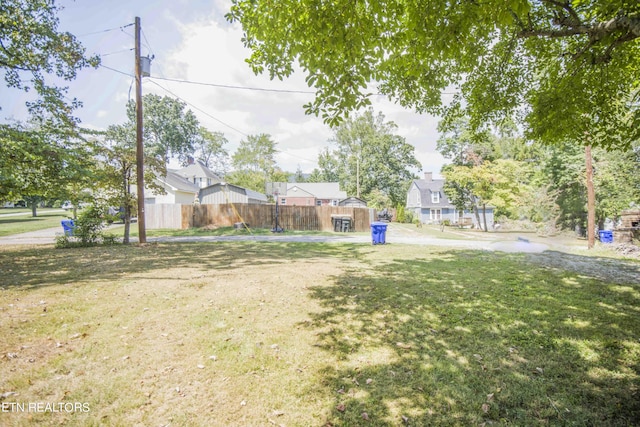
[(435, 197)]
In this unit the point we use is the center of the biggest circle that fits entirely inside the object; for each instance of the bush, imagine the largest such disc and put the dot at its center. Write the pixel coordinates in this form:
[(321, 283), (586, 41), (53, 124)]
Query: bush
[(408, 217), (400, 214), (89, 225), (87, 230)]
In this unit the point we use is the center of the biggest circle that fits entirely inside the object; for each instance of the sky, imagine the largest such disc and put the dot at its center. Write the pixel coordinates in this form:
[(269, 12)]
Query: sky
[(190, 40)]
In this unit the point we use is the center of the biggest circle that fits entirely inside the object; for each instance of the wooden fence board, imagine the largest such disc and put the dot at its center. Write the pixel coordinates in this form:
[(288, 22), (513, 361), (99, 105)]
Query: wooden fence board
[(303, 218)]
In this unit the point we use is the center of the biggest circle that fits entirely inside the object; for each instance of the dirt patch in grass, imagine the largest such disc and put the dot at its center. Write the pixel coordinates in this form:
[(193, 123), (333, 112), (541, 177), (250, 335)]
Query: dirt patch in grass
[(238, 334)]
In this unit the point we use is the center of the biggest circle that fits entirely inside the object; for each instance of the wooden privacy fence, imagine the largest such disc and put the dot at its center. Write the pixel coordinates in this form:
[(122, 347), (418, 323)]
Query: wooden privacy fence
[(304, 218)]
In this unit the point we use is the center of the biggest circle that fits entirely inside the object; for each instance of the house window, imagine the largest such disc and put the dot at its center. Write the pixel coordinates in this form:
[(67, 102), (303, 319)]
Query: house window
[(334, 203), (417, 193), (435, 214), (435, 197), (318, 202), (283, 201)]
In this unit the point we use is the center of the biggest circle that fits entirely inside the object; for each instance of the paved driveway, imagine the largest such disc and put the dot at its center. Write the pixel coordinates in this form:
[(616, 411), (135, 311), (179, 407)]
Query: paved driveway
[(395, 234)]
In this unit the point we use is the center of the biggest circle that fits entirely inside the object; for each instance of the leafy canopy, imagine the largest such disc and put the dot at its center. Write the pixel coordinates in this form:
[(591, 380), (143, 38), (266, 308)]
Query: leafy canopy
[(370, 157), (33, 51), (568, 69)]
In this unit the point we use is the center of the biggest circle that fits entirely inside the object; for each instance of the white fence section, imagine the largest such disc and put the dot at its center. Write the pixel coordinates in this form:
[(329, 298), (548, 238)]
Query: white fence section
[(163, 216)]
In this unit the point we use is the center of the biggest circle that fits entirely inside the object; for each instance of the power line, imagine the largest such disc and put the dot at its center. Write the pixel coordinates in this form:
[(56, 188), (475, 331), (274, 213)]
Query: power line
[(220, 121), (116, 52), (105, 31), (147, 42), (199, 109), (117, 71), (235, 87)]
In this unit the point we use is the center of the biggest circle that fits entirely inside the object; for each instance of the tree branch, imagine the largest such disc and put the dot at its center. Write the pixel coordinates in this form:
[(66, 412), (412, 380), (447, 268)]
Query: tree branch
[(595, 31), (567, 7)]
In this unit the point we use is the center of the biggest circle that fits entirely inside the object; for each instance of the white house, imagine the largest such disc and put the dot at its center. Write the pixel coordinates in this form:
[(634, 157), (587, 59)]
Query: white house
[(200, 175), (177, 188)]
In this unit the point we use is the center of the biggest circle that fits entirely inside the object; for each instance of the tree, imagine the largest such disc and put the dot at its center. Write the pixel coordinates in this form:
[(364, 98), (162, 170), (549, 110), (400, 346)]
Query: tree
[(462, 144), (568, 67), (116, 172), (616, 181), (169, 130), (327, 170), (209, 149), (254, 163), (369, 156), (38, 163), (299, 175), (32, 48)]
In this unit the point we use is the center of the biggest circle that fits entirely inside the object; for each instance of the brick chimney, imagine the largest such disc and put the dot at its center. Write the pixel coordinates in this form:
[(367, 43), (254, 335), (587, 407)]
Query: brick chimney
[(428, 176)]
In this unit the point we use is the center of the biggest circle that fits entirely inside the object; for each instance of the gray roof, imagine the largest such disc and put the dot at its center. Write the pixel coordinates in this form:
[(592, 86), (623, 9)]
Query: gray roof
[(198, 170), (179, 183), (427, 187), (320, 190)]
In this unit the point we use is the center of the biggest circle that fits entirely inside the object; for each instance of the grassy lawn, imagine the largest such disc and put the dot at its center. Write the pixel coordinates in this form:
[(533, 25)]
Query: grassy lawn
[(24, 223), (259, 334)]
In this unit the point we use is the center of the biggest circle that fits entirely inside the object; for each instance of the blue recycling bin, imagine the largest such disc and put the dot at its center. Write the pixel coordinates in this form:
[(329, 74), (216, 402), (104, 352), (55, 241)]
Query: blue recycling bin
[(606, 236), (68, 225), (378, 233)]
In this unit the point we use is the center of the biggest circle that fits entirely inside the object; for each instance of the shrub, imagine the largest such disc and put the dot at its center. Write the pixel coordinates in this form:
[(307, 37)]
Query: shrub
[(400, 214), (87, 230)]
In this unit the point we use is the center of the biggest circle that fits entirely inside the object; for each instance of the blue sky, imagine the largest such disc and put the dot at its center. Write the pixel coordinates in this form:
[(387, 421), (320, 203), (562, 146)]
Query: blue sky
[(192, 41)]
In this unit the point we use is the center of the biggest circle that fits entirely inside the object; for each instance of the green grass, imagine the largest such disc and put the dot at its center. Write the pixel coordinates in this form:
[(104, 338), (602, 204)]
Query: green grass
[(235, 334), (24, 223)]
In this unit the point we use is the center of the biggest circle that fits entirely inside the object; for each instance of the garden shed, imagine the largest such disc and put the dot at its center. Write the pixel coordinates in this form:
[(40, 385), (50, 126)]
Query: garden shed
[(629, 229)]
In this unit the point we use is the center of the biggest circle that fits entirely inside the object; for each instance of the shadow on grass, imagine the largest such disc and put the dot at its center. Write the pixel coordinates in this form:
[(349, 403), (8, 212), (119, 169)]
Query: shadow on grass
[(475, 338), (30, 268)]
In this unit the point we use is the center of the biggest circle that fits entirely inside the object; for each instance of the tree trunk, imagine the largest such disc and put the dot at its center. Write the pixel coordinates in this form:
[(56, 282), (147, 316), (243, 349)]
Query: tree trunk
[(475, 210), (591, 201), (34, 208), (484, 216)]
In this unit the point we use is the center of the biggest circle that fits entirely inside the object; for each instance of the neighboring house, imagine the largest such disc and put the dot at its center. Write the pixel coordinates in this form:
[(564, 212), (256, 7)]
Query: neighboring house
[(197, 173), (353, 202), (312, 194), (178, 190), (430, 205), (221, 193)]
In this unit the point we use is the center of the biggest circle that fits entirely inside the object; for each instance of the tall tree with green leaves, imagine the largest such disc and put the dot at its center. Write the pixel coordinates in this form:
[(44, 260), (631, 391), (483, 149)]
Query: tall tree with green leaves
[(616, 181), (370, 156), (254, 163), (570, 68), (170, 130), (38, 163), (328, 168), (116, 171), (210, 150), (33, 51)]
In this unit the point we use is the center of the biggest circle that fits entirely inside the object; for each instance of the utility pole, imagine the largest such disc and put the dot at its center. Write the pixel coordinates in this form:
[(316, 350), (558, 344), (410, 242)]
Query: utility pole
[(142, 232), (591, 200)]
